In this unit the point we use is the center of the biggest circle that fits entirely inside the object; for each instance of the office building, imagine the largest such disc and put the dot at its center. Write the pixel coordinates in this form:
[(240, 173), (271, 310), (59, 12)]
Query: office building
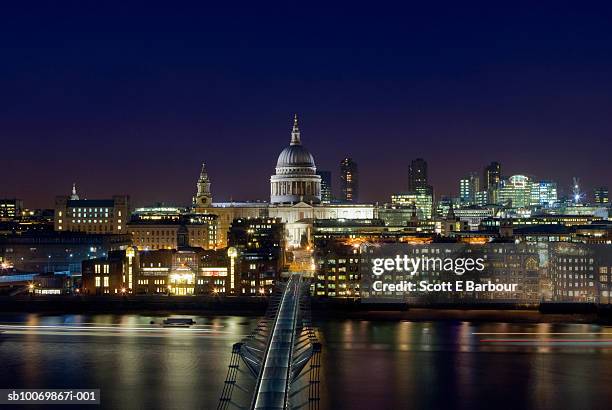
[(337, 270), (468, 187), (492, 176), (259, 250), (112, 274), (51, 251), (10, 209), (601, 195), (349, 178), (326, 186), (96, 216), (398, 215), (421, 199), (417, 174), (168, 229), (482, 198), (544, 194), (515, 192), (473, 215)]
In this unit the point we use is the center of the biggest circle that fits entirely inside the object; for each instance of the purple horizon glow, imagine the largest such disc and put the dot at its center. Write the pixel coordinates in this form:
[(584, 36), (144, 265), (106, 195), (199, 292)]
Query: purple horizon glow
[(133, 101)]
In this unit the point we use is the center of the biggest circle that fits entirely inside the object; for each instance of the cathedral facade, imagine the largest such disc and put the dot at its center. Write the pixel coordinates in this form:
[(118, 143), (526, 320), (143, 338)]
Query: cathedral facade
[(295, 197)]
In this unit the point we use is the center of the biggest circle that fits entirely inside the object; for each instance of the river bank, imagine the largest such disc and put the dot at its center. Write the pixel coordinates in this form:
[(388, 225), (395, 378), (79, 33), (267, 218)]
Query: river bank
[(321, 310)]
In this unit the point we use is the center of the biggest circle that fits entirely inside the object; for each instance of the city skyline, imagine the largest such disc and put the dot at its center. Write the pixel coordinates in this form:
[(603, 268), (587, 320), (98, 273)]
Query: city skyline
[(402, 183), (151, 100), (210, 205)]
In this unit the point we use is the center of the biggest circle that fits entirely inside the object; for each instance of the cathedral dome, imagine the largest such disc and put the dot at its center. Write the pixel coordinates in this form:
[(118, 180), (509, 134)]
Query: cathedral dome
[(296, 176), (295, 156)]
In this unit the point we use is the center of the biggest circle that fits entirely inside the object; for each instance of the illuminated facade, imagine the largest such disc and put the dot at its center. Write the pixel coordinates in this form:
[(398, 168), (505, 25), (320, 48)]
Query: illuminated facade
[(295, 198), (482, 198), (337, 271), (169, 230), (259, 254), (10, 209), (203, 197), (515, 192), (183, 272), (473, 215), (398, 215), (99, 216), (114, 274), (468, 187), (421, 199), (544, 193), (296, 178), (601, 195)]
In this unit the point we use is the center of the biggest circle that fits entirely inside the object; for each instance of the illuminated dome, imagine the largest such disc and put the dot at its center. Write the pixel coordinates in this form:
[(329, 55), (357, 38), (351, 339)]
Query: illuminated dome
[(295, 156), (296, 178)]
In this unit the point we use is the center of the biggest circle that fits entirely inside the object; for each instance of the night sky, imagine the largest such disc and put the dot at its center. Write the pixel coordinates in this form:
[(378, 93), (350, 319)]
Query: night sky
[(131, 99)]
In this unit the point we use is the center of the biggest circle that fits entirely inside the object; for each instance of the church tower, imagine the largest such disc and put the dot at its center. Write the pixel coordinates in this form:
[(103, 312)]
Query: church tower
[(74, 196), (203, 198)]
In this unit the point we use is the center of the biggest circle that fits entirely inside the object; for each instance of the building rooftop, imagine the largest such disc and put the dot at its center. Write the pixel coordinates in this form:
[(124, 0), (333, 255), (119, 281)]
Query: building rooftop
[(88, 203)]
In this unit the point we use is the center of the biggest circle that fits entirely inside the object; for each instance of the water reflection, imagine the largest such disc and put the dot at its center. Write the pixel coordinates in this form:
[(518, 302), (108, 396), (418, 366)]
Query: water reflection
[(157, 368), (449, 365), (365, 364)]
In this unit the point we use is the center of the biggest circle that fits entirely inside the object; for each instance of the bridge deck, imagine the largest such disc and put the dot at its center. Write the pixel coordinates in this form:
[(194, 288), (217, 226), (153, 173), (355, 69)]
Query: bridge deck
[(272, 388)]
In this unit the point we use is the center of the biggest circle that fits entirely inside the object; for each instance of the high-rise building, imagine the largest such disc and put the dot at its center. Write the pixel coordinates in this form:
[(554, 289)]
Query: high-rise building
[(468, 187), (543, 193), (350, 180), (482, 198), (601, 195), (417, 174), (515, 192), (326, 186), (91, 215), (492, 176)]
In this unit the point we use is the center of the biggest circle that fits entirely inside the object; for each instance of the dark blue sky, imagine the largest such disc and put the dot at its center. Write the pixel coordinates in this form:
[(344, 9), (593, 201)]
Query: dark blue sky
[(131, 99)]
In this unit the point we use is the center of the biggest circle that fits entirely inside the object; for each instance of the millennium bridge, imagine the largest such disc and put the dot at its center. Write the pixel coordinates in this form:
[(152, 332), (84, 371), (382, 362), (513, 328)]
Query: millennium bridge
[(277, 366)]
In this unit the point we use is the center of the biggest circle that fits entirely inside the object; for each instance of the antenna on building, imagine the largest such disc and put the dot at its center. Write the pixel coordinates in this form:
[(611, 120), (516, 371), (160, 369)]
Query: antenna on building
[(576, 191)]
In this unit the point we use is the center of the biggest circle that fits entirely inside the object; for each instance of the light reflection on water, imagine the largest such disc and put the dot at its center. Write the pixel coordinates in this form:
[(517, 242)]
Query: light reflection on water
[(365, 364), (164, 368), (450, 364)]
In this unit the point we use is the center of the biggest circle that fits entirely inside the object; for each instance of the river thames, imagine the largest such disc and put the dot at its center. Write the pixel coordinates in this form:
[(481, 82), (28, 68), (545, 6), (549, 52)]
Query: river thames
[(365, 364)]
